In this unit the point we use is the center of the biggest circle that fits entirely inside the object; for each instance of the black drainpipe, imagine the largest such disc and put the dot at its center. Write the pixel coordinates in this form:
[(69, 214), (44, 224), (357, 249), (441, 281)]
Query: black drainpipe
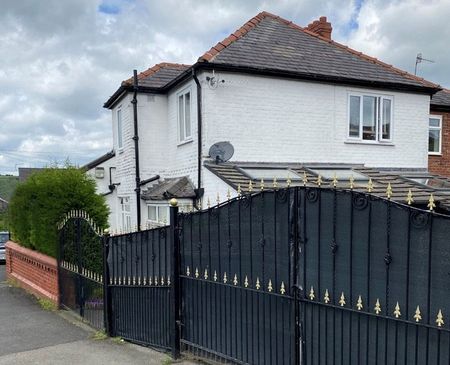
[(199, 191), (136, 150)]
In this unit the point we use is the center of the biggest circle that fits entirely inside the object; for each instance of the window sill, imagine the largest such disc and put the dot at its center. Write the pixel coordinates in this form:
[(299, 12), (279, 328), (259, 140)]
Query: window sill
[(371, 143), (186, 141), (120, 150), (438, 154)]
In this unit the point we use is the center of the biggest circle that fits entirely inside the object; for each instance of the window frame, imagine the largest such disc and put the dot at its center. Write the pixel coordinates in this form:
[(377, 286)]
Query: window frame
[(378, 119), (158, 221), (119, 119), (439, 117), (183, 94), (125, 214)]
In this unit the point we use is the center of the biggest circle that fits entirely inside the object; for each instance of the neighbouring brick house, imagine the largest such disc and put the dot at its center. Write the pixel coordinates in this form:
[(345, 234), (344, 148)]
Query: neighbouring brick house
[(439, 134), (289, 99)]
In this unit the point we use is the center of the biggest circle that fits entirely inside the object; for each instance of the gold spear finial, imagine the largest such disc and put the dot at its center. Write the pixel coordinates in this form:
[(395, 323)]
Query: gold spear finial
[(397, 312), (215, 275), (389, 191), (417, 315), (311, 294), (440, 319), (377, 307), (235, 280), (218, 199), (258, 285), (335, 180), (246, 281), (409, 197), (352, 182), (275, 183), (269, 287), (342, 300), (370, 185), (239, 191), (225, 279), (282, 288), (206, 274), (228, 194), (319, 180), (359, 303), (250, 186), (431, 203), (261, 186), (326, 297), (288, 181), (196, 272), (305, 178)]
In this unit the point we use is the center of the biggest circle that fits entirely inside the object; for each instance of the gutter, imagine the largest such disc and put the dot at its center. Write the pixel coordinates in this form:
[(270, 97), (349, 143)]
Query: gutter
[(199, 191), (136, 150)]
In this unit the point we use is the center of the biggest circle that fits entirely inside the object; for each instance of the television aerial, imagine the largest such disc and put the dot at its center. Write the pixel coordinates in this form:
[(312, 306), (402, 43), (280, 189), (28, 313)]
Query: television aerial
[(420, 59)]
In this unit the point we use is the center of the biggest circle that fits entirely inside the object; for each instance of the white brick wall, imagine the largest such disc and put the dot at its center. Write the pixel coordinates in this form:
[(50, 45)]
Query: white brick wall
[(102, 187), (268, 119)]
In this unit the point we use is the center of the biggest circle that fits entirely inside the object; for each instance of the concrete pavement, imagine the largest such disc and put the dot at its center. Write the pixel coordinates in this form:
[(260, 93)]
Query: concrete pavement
[(31, 335)]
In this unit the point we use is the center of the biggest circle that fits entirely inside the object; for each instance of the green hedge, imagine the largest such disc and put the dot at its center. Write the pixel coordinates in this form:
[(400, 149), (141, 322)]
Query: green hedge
[(39, 203)]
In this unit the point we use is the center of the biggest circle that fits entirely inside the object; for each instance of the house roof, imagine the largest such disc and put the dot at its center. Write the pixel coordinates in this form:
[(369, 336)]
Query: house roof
[(269, 42), (233, 175), (152, 79), (107, 156), (179, 187), (441, 100)]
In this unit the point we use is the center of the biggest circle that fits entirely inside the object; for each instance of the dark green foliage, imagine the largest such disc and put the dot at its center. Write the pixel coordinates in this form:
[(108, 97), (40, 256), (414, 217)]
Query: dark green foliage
[(40, 202)]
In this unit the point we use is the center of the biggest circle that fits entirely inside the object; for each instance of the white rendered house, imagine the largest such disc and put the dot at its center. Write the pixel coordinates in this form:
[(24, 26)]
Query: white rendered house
[(283, 96)]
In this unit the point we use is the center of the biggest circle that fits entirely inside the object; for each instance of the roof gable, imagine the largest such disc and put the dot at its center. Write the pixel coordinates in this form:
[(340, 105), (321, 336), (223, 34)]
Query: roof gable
[(270, 42)]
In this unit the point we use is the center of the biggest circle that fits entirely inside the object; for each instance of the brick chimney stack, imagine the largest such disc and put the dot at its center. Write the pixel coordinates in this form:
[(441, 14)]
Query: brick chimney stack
[(321, 27)]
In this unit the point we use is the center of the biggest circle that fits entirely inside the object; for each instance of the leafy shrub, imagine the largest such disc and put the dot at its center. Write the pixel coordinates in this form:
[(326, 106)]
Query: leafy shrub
[(40, 202)]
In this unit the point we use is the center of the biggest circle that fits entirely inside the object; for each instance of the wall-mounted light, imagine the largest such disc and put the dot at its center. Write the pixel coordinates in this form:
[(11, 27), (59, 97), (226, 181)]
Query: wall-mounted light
[(99, 172)]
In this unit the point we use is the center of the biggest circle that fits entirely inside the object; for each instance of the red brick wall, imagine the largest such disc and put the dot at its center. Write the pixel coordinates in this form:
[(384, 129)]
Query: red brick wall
[(33, 271), (441, 164)]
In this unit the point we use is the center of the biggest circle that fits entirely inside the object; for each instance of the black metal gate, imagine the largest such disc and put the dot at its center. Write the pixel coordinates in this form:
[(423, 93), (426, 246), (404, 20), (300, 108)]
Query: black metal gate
[(139, 287), (80, 268), (316, 275), (302, 275)]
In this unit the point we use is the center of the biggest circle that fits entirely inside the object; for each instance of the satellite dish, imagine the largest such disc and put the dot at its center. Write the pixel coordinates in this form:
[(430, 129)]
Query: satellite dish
[(221, 151)]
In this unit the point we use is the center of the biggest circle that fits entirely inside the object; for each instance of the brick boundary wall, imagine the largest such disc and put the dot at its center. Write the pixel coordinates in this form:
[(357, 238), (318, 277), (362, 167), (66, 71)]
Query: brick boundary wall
[(33, 271)]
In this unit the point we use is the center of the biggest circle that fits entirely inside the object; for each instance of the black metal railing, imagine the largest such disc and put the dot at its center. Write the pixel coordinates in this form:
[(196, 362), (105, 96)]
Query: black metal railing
[(297, 275)]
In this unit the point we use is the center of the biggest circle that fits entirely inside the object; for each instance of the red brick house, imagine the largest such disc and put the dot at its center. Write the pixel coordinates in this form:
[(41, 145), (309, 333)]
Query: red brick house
[(439, 134)]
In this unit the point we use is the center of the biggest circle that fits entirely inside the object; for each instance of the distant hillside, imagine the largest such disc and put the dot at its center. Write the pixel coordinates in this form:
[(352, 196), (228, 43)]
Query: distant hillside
[(7, 186)]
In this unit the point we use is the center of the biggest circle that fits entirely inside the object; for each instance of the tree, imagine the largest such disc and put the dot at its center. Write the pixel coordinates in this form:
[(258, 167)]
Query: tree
[(39, 203)]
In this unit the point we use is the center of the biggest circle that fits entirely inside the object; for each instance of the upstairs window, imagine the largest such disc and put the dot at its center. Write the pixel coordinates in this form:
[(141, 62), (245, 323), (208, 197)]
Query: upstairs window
[(119, 129), (184, 116), (435, 135), (370, 118)]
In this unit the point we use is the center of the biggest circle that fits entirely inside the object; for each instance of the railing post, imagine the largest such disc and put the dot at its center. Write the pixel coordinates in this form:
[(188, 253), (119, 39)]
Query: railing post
[(106, 291), (175, 289)]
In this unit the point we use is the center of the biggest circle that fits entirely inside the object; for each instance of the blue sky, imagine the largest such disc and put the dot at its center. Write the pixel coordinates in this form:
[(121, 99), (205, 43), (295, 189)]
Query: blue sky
[(61, 60)]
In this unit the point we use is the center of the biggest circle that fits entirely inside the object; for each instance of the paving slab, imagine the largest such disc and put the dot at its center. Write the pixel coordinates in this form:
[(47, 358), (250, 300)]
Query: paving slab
[(31, 335)]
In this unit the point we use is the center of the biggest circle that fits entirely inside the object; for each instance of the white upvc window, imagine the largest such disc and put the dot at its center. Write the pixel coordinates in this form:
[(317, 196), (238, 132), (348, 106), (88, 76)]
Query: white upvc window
[(125, 209), (158, 214), (370, 117), (184, 116), (119, 129), (435, 135)]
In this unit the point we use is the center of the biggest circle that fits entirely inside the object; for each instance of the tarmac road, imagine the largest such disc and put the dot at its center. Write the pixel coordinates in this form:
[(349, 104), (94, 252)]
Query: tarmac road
[(31, 335)]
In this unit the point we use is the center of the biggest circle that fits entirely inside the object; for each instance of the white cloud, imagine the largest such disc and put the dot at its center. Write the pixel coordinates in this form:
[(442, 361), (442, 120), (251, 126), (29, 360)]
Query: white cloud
[(61, 60)]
